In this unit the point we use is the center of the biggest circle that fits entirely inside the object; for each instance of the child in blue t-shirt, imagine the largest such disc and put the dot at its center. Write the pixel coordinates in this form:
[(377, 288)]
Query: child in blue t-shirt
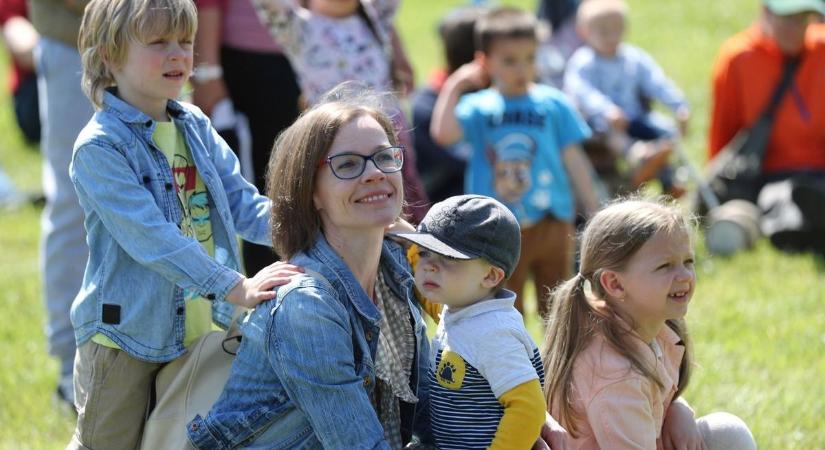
[(525, 139)]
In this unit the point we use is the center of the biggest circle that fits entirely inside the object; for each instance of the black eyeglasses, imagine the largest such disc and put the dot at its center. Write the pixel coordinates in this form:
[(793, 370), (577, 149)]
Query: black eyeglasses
[(347, 166)]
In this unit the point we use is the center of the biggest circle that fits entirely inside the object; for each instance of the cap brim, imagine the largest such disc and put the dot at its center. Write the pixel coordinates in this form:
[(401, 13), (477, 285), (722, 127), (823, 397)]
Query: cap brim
[(431, 243), (789, 7)]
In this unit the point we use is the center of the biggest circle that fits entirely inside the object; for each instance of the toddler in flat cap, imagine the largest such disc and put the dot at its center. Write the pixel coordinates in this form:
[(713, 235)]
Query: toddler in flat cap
[(486, 373)]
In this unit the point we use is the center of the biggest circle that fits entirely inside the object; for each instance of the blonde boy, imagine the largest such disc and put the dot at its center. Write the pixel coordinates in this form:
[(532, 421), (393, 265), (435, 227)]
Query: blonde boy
[(485, 371), (164, 201)]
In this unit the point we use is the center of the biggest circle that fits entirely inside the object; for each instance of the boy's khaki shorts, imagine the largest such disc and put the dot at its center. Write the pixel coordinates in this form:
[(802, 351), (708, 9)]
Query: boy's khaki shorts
[(112, 395), (546, 254)]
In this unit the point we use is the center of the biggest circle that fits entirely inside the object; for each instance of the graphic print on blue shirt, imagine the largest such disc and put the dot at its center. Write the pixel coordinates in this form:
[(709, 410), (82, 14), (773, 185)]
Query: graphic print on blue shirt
[(464, 412), (518, 148)]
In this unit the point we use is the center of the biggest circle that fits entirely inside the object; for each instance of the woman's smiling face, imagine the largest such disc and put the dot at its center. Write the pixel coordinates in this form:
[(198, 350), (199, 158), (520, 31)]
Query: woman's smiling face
[(370, 200)]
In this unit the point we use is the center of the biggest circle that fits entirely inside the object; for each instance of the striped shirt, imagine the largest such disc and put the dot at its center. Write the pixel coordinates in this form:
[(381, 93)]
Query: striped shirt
[(479, 353)]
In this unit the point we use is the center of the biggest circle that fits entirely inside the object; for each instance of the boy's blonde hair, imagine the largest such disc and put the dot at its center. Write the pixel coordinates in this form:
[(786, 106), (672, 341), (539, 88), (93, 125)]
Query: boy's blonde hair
[(608, 242), (110, 26), (593, 9)]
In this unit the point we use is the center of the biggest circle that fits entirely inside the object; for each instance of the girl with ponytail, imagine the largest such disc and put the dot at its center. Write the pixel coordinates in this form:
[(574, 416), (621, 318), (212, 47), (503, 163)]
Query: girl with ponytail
[(617, 354)]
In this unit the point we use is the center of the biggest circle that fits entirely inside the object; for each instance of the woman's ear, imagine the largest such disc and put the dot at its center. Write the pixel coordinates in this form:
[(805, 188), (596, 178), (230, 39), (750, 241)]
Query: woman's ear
[(611, 282), (493, 277), (316, 202)]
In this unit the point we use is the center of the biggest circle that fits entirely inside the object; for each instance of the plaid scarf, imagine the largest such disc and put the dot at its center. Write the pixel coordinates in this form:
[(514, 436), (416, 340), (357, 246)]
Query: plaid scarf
[(393, 361)]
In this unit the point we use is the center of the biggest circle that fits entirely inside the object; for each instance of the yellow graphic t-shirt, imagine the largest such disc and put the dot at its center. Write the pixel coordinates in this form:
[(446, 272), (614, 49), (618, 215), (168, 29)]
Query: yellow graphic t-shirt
[(196, 223)]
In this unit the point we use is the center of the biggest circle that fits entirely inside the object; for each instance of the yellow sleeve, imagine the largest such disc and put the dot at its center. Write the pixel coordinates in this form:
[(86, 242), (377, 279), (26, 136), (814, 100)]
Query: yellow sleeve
[(432, 309), (523, 417)]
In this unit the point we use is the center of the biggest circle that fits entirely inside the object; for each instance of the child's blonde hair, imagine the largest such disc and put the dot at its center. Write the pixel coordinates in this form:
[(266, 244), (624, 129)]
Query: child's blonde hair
[(609, 241), (592, 9), (110, 26)]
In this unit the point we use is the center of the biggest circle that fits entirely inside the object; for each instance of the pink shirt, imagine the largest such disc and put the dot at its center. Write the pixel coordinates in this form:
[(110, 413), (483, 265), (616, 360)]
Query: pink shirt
[(242, 30), (622, 408)]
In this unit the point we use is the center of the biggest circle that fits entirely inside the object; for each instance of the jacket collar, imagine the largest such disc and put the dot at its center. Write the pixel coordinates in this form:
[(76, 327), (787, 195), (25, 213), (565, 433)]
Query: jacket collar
[(129, 114), (504, 300)]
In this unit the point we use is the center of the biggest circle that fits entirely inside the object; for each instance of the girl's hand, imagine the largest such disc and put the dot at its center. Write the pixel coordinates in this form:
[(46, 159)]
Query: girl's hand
[(679, 431), (249, 292), (553, 436)]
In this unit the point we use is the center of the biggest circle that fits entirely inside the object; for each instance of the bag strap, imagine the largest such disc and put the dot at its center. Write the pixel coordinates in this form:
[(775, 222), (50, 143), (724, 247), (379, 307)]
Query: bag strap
[(233, 331), (789, 69)]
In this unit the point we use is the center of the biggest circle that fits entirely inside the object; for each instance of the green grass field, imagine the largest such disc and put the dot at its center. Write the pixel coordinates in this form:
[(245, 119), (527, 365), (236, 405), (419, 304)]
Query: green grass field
[(757, 319)]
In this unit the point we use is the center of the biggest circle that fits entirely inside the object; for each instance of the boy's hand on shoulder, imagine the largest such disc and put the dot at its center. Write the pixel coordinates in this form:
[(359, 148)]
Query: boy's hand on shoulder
[(249, 292)]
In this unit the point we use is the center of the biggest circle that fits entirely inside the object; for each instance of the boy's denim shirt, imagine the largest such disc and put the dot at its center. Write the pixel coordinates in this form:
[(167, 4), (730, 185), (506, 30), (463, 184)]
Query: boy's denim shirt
[(305, 368), (139, 261)]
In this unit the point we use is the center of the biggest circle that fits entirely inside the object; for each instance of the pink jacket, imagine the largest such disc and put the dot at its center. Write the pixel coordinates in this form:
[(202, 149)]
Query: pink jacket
[(621, 409)]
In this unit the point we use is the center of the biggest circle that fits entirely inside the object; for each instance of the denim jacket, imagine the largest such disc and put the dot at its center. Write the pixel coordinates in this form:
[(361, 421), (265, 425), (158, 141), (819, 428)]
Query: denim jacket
[(305, 368), (139, 261)]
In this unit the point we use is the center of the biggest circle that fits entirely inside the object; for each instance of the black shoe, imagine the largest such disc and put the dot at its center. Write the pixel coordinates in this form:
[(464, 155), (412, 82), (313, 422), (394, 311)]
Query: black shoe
[(810, 199)]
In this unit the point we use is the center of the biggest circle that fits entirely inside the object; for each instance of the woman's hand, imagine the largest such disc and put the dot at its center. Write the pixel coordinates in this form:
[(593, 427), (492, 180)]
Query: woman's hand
[(553, 436), (679, 431), (249, 292)]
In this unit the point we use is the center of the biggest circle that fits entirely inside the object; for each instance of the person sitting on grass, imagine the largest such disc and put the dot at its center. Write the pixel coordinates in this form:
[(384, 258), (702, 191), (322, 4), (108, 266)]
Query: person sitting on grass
[(617, 354), (610, 81)]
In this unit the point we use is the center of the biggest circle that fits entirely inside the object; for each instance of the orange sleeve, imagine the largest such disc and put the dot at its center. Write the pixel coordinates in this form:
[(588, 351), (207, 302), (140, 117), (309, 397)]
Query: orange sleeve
[(726, 112), (432, 309)]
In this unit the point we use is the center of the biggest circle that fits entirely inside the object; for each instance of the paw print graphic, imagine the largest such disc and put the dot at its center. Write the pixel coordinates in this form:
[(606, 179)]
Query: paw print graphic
[(447, 372)]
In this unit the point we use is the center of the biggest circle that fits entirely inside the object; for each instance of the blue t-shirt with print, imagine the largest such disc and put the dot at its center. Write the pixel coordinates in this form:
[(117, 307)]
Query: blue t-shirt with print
[(517, 147)]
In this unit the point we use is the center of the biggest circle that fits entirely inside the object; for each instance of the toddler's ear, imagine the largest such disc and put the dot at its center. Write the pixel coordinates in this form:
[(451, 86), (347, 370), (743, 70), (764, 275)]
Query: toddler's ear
[(493, 277)]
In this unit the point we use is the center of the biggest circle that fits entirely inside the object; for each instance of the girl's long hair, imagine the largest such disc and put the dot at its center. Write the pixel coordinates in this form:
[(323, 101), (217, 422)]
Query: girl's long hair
[(608, 242)]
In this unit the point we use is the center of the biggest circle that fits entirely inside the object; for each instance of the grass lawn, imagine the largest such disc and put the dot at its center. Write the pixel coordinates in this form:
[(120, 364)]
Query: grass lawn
[(757, 320)]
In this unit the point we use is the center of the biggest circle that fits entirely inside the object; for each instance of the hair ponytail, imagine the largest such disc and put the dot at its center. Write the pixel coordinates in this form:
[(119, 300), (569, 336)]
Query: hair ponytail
[(569, 327)]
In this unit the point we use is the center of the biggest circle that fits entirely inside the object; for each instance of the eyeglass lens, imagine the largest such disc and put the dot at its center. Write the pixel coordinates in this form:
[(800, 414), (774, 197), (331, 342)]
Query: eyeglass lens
[(351, 165)]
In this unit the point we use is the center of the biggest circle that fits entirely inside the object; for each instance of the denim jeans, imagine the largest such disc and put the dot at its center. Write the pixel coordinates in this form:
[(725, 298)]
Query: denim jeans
[(64, 110)]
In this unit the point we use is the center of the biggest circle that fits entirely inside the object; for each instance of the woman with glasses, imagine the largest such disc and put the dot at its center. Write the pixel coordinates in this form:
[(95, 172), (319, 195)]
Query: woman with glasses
[(339, 359)]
